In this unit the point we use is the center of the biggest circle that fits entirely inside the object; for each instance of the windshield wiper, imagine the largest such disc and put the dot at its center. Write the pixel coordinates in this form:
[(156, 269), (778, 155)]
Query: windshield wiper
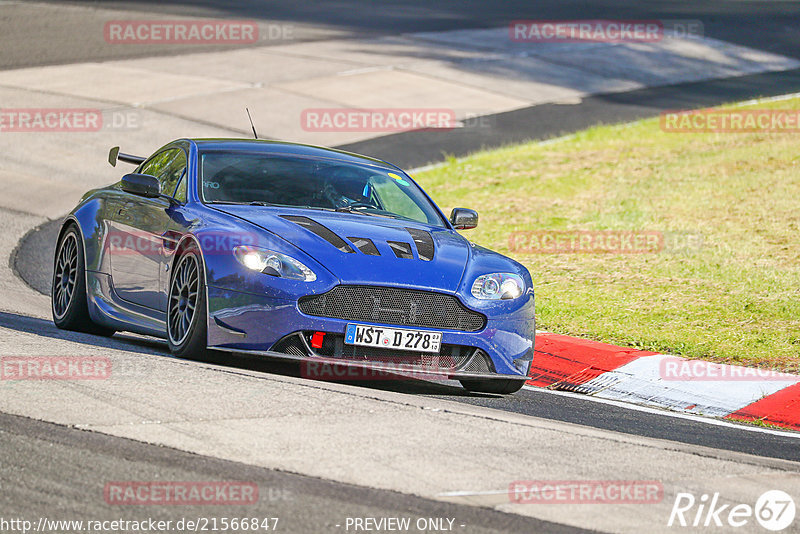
[(236, 203), (350, 209), (346, 209)]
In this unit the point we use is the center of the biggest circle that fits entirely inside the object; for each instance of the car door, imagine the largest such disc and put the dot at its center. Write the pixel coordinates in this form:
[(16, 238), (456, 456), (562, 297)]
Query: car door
[(138, 229)]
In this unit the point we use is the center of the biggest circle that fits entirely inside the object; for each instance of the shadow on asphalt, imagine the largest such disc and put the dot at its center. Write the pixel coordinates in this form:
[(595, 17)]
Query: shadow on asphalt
[(765, 25), (156, 347), (32, 259), (533, 403)]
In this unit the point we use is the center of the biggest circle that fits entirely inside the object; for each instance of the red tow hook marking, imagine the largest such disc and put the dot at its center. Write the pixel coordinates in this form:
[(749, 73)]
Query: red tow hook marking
[(316, 340)]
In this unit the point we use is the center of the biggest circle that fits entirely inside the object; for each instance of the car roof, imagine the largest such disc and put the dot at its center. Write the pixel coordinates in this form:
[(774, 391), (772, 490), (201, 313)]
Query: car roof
[(283, 147)]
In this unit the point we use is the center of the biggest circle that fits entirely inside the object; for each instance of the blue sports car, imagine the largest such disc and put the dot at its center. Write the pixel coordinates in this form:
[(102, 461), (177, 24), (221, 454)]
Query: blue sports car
[(293, 251)]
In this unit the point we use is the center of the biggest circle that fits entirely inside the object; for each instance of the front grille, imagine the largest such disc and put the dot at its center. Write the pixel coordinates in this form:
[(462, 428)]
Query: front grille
[(393, 306), (449, 357)]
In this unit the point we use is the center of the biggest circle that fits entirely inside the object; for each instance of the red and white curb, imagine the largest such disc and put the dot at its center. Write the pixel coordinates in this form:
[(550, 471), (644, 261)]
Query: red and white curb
[(662, 381)]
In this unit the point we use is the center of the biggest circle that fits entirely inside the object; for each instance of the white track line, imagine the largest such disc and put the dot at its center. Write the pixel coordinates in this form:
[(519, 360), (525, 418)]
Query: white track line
[(768, 99), (655, 411)]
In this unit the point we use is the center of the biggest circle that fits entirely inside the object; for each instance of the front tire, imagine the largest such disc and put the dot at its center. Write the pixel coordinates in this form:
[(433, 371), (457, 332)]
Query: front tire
[(498, 387), (68, 302), (187, 331)]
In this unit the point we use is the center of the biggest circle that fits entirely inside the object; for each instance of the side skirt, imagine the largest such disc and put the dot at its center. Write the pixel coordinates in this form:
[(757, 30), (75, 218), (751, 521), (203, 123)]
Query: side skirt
[(107, 308)]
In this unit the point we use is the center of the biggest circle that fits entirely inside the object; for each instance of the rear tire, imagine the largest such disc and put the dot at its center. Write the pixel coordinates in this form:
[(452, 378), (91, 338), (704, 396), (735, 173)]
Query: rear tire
[(187, 330), (68, 302), (498, 387)]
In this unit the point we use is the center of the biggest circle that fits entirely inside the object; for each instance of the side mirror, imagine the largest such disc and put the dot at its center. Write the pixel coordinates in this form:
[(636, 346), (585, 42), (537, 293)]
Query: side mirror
[(141, 184), (464, 219)]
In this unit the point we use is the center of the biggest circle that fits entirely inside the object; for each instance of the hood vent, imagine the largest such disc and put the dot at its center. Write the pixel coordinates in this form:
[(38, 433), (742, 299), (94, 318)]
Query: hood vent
[(323, 232), (401, 250), (365, 245), (424, 242)]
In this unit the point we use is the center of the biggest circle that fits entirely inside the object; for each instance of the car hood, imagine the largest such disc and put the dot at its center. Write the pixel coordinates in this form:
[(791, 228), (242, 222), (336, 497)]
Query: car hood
[(402, 254)]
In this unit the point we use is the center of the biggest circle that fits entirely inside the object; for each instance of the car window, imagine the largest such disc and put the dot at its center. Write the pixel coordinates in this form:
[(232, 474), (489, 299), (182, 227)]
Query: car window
[(156, 164), (180, 192), (313, 183), (389, 194), (168, 166)]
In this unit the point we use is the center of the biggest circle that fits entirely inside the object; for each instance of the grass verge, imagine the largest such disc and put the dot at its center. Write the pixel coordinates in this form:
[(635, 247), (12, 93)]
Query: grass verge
[(726, 285)]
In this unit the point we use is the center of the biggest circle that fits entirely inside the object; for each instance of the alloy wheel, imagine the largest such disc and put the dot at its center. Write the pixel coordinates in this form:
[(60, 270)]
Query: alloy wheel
[(66, 273), (183, 298)]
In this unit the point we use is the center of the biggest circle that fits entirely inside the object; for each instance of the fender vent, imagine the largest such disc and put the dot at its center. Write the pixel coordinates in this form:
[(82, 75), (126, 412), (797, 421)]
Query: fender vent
[(291, 344), (480, 363), (365, 245), (424, 243), (323, 232), (401, 250)]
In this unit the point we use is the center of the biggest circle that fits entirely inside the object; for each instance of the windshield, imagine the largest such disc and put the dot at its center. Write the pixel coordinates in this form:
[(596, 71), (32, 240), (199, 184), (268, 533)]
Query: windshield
[(270, 179)]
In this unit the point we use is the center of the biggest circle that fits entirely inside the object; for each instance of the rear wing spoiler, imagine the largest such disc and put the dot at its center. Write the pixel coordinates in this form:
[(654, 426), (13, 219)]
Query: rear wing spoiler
[(114, 154)]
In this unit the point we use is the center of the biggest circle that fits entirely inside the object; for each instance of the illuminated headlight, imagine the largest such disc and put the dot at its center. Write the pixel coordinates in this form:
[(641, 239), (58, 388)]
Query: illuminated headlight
[(498, 286), (273, 263)]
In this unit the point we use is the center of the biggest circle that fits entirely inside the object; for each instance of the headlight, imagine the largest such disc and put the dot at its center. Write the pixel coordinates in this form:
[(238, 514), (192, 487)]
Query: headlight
[(498, 286), (273, 263)]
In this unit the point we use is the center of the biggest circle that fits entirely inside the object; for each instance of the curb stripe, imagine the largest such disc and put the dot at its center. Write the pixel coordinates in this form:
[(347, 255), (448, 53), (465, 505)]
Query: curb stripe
[(630, 375), (642, 382), (564, 362), (781, 408)]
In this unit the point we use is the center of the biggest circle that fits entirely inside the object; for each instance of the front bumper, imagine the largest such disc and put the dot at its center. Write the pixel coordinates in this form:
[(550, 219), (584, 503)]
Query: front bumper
[(254, 324)]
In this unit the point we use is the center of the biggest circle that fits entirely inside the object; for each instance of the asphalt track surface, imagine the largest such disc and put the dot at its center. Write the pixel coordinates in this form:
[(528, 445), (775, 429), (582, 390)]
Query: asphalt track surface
[(49, 467), (772, 26), (33, 257), (61, 466), (572, 409)]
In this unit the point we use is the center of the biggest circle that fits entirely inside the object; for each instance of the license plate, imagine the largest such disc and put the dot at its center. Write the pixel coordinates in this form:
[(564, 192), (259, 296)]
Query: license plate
[(393, 338)]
